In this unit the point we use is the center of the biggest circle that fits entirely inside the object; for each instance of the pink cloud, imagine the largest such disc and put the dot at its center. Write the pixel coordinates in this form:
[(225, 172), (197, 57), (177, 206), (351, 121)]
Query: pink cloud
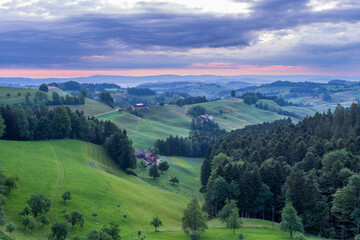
[(221, 71)]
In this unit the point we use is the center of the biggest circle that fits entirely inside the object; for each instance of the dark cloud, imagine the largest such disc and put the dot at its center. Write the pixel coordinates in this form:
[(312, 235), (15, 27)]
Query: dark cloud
[(64, 42)]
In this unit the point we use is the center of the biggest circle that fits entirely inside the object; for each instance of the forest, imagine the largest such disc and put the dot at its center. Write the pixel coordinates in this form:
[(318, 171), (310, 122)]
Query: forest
[(314, 165), (61, 123)]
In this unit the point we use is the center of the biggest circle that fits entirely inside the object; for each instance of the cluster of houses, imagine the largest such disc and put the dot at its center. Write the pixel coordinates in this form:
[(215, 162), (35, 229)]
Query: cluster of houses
[(149, 157), (206, 118)]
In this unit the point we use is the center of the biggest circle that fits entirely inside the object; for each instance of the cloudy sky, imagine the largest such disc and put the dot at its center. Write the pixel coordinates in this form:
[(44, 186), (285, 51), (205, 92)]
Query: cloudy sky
[(67, 38)]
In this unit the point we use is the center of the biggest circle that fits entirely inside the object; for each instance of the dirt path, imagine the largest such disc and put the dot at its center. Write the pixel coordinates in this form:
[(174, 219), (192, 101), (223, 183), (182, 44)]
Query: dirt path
[(56, 193), (139, 120), (96, 115)]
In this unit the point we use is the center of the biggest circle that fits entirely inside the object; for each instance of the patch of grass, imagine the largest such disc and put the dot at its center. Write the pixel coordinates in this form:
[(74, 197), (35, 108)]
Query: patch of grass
[(91, 107)]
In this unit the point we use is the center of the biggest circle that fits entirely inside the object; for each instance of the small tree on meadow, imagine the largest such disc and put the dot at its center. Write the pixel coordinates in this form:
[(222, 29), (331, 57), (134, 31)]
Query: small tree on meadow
[(95, 235), (66, 196), (43, 88), (241, 236), (153, 171), (25, 220), (233, 221), (59, 231), (174, 180), (156, 222), (75, 217), (38, 204), (163, 166), (232, 93), (194, 219), (44, 220), (32, 224), (226, 210), (10, 228), (113, 230), (289, 220)]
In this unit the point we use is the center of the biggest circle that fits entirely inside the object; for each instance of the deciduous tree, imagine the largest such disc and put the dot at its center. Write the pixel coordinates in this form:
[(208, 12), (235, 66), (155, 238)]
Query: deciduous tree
[(156, 222), (289, 220)]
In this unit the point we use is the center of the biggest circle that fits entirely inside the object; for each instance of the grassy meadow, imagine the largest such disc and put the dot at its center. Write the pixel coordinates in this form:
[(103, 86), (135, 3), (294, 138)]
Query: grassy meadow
[(187, 171), (17, 95)]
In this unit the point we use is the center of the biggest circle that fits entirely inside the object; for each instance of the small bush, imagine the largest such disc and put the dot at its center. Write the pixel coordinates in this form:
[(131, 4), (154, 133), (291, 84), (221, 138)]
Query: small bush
[(194, 235), (130, 172), (300, 236)]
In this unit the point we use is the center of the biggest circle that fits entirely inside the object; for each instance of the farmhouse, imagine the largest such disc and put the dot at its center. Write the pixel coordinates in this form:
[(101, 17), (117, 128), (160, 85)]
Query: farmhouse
[(149, 157), (206, 117), (139, 106)]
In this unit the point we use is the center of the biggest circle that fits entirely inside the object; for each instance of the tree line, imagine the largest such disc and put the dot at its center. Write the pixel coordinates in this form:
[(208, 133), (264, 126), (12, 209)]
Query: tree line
[(191, 100), (91, 89), (61, 123), (279, 111), (193, 146), (141, 91), (252, 98), (314, 165)]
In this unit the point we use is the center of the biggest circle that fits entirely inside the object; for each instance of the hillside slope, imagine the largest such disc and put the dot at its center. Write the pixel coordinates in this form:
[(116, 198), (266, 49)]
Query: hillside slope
[(161, 121), (51, 167)]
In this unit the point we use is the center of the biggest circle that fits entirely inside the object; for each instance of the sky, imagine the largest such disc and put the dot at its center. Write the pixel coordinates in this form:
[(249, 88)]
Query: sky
[(72, 38)]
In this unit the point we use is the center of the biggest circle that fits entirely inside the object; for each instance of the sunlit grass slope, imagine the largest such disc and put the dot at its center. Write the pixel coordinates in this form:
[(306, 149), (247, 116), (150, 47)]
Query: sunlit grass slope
[(158, 123), (187, 171), (55, 166), (91, 107)]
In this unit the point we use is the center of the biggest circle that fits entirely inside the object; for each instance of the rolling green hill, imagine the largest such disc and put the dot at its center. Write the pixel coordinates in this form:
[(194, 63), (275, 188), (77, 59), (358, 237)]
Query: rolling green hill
[(161, 121), (51, 167)]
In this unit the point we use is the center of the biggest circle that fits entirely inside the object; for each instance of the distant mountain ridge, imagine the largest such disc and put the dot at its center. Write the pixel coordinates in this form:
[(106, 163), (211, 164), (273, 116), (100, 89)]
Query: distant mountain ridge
[(131, 81)]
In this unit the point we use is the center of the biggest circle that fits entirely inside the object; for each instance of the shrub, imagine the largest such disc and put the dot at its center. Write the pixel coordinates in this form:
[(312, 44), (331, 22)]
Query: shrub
[(300, 236), (130, 172)]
